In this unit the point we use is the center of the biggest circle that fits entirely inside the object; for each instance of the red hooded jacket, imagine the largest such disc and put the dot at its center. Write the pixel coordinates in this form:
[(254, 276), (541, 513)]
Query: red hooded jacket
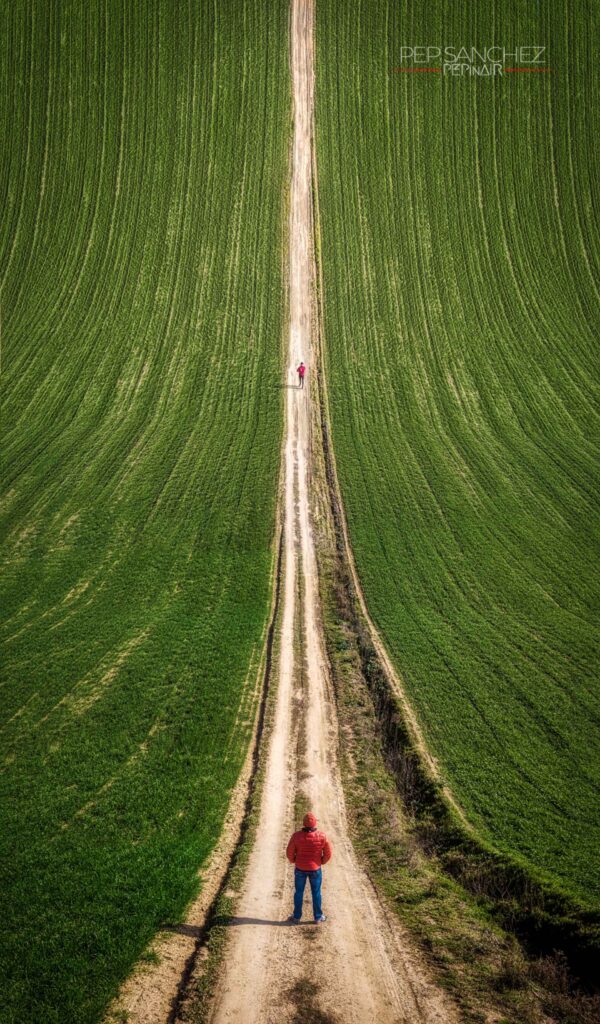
[(309, 849)]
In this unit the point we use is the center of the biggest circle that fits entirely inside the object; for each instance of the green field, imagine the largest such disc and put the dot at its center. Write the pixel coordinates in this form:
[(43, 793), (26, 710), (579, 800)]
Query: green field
[(460, 310), (142, 176)]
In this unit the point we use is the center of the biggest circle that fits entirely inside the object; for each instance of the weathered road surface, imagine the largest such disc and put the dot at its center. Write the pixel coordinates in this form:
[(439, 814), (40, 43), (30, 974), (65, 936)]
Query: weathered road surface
[(356, 967)]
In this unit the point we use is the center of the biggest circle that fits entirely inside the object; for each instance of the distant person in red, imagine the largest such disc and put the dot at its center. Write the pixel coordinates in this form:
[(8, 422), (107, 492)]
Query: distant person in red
[(308, 850), (301, 372)]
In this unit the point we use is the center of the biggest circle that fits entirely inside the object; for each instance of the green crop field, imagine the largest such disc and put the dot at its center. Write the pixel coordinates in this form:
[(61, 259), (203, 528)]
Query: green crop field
[(142, 181), (460, 310)]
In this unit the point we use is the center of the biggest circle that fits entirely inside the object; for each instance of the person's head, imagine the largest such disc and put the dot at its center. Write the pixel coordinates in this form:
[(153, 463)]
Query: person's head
[(301, 363), (310, 820)]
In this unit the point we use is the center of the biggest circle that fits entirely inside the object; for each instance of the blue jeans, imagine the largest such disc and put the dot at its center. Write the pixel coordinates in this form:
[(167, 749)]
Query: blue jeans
[(314, 878)]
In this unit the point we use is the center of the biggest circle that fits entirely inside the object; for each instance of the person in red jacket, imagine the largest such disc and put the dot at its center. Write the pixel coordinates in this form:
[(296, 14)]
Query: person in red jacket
[(308, 850), (301, 372)]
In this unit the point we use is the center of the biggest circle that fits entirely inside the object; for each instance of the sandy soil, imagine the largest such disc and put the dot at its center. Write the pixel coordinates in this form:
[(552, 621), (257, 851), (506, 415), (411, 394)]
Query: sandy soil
[(358, 965)]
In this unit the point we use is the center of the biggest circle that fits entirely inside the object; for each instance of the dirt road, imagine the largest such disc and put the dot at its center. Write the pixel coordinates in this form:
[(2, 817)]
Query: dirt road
[(356, 966)]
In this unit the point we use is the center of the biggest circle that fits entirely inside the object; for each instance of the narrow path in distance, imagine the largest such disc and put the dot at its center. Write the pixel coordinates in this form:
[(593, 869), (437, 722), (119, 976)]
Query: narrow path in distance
[(356, 967)]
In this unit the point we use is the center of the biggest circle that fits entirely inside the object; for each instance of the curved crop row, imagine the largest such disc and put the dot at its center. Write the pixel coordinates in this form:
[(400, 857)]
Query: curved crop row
[(142, 182), (460, 308)]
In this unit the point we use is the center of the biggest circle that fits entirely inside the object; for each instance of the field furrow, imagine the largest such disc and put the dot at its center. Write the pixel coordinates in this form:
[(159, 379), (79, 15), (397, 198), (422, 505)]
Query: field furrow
[(142, 321), (460, 313)]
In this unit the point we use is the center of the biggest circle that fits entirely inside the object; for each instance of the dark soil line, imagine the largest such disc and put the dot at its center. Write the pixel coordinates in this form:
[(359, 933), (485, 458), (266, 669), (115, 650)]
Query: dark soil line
[(212, 915), (544, 919)]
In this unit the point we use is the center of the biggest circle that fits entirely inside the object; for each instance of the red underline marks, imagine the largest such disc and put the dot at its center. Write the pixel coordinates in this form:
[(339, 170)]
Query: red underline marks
[(507, 70)]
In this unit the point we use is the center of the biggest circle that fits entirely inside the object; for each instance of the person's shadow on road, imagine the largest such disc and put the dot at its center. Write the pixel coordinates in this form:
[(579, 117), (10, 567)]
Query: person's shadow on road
[(196, 931), (230, 922)]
